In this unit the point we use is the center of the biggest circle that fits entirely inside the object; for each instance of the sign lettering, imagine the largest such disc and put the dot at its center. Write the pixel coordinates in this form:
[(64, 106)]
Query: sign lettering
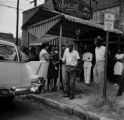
[(75, 8)]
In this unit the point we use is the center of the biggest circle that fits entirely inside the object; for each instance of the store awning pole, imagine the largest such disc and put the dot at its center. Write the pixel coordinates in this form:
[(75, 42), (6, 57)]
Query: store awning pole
[(119, 41), (28, 42), (28, 39), (60, 42), (106, 63)]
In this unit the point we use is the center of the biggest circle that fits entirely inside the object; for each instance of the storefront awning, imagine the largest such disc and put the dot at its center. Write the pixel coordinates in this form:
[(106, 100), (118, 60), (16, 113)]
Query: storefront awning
[(42, 40), (88, 23), (40, 29), (70, 25)]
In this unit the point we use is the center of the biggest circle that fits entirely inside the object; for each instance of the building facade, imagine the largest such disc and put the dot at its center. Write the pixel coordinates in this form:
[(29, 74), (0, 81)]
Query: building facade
[(9, 37), (99, 7), (109, 6)]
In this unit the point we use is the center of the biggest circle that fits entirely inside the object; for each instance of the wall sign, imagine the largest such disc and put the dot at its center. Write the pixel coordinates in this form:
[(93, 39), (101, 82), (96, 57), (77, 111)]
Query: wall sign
[(109, 21), (98, 16), (75, 8)]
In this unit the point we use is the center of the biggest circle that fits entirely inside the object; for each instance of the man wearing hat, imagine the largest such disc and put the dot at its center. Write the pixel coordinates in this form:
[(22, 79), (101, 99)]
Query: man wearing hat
[(98, 70), (70, 58)]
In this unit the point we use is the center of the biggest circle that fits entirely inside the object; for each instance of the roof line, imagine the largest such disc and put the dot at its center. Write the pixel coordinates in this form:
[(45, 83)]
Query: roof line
[(87, 22), (74, 19)]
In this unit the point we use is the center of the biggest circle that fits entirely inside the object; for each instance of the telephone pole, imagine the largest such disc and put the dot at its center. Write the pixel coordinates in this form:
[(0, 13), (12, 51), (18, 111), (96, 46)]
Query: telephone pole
[(35, 3), (17, 21)]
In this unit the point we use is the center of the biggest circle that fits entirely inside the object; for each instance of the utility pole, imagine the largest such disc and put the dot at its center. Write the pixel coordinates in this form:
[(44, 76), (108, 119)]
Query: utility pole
[(35, 3), (17, 22)]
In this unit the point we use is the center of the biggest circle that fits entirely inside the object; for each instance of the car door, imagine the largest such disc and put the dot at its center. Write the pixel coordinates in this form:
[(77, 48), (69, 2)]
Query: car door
[(13, 72)]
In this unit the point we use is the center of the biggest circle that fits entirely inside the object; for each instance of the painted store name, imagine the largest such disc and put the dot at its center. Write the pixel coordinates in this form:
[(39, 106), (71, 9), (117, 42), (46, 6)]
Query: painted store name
[(75, 8), (72, 6)]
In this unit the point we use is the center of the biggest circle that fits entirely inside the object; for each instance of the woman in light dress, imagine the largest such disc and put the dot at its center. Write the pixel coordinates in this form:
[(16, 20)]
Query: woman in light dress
[(118, 67), (44, 59), (87, 58)]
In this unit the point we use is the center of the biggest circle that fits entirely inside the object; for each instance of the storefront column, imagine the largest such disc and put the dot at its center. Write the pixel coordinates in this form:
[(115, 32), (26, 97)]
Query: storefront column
[(106, 64), (60, 42)]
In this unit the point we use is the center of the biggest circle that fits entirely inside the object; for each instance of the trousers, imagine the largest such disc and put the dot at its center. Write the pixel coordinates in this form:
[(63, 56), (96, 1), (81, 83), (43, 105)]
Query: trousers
[(69, 80), (99, 75), (87, 74)]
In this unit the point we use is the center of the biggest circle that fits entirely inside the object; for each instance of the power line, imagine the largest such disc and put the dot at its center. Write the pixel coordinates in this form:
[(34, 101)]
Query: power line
[(9, 6), (16, 2), (8, 1)]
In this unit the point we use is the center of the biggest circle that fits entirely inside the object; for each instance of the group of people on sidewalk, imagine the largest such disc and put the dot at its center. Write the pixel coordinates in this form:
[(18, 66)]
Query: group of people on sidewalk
[(49, 57), (116, 72), (71, 59)]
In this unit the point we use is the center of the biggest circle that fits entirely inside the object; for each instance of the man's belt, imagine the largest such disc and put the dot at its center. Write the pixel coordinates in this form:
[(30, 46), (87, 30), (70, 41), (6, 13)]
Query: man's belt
[(100, 61), (70, 65), (86, 61)]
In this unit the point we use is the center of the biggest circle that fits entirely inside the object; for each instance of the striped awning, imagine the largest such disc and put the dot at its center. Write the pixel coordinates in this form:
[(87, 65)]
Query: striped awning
[(41, 28), (42, 40), (88, 23)]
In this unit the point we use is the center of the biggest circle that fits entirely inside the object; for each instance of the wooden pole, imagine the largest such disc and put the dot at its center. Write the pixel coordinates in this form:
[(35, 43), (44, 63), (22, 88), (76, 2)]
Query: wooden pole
[(28, 41), (106, 62), (119, 39), (60, 42), (17, 21)]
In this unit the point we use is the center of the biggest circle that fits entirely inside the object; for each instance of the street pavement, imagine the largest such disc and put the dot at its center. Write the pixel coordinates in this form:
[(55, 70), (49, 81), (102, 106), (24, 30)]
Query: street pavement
[(25, 109), (81, 104)]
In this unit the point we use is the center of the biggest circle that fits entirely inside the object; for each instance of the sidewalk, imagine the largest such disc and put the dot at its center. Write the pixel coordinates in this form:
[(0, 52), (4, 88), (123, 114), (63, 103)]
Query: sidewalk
[(81, 106)]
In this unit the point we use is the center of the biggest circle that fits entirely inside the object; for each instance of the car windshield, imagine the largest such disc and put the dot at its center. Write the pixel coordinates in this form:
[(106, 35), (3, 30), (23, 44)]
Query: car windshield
[(8, 53)]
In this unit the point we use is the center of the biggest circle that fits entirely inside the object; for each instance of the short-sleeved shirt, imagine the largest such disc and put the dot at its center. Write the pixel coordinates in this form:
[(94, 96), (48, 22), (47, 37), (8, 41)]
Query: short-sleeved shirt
[(100, 53), (41, 56), (70, 57), (87, 58)]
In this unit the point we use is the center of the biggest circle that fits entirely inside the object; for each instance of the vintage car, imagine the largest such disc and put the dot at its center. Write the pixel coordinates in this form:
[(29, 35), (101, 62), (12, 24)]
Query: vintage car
[(16, 76)]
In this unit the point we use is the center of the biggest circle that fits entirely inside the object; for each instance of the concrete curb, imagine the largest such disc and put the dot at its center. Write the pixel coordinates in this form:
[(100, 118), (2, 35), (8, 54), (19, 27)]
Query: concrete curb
[(69, 109)]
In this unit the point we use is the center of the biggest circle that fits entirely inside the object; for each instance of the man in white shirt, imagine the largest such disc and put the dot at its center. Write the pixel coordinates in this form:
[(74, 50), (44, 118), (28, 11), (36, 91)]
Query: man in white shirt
[(70, 58), (98, 71)]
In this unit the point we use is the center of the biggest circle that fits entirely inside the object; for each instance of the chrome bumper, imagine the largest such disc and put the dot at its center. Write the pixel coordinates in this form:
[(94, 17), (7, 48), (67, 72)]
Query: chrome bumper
[(34, 89)]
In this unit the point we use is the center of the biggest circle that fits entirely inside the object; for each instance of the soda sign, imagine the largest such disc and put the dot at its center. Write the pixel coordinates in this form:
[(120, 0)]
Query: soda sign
[(109, 21)]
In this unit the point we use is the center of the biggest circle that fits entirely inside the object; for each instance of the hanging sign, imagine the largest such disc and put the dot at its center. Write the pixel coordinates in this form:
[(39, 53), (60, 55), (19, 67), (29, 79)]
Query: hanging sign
[(75, 8), (109, 21)]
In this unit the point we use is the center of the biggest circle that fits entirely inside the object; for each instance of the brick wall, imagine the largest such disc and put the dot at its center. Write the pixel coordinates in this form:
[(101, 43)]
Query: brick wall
[(121, 21), (102, 4)]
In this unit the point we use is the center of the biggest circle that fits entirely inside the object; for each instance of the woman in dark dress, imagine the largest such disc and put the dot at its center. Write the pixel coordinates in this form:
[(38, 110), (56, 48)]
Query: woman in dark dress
[(52, 71)]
